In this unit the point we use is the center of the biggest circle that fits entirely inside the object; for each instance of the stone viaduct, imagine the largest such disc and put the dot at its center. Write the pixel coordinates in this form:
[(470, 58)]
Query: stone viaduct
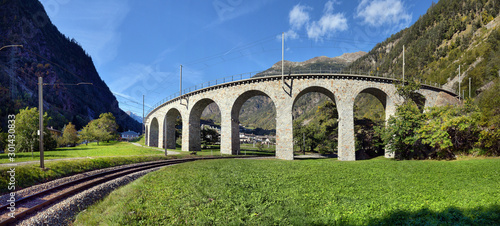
[(284, 92)]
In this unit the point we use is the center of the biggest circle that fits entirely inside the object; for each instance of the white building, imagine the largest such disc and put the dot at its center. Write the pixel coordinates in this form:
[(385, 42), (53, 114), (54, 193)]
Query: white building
[(129, 135)]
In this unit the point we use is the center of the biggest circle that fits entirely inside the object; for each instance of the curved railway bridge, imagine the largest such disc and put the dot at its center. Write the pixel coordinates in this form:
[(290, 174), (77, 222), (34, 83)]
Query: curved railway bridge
[(284, 91)]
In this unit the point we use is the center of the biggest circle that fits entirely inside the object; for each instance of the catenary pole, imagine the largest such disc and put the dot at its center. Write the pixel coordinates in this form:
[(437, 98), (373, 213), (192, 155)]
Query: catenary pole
[(143, 125), (459, 82), (180, 83), (403, 65), (40, 124), (469, 88), (282, 56)]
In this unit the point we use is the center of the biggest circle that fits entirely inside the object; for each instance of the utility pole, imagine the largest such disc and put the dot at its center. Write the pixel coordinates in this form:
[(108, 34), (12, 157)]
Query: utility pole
[(282, 53), (469, 88), (304, 142), (403, 65), (459, 82), (180, 92), (282, 58), (40, 124), (165, 136), (40, 110), (143, 125)]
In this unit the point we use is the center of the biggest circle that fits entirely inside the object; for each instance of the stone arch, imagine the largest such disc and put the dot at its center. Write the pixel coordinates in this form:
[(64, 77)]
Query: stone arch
[(153, 133), (316, 89), (235, 116), (169, 128), (379, 94), (313, 89), (195, 123)]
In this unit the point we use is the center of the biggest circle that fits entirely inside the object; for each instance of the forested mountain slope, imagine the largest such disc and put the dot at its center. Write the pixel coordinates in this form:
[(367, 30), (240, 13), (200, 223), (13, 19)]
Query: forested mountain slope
[(60, 60), (452, 33)]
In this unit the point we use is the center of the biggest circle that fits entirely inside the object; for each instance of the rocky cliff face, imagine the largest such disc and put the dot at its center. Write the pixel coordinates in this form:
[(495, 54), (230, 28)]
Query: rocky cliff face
[(59, 60)]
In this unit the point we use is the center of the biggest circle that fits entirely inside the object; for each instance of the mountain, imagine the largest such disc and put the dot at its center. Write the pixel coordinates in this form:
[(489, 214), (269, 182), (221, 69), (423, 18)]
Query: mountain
[(134, 116), (322, 63), (60, 60), (259, 112), (452, 33)]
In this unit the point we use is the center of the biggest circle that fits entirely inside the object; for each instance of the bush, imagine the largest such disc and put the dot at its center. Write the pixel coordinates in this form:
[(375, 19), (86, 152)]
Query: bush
[(401, 134), (451, 130)]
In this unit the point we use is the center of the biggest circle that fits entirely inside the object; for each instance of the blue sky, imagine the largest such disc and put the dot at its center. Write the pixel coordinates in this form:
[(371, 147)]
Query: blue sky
[(137, 46)]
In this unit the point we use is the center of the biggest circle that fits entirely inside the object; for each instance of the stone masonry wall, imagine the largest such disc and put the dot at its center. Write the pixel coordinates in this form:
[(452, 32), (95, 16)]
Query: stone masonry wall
[(283, 93)]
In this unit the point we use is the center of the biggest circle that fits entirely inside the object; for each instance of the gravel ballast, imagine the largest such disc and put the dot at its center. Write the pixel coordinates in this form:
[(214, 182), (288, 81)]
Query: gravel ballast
[(63, 213)]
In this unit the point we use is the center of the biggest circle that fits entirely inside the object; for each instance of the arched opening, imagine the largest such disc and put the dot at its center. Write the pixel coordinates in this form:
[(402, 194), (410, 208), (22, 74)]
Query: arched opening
[(172, 130), (315, 123), (204, 126), (153, 133), (419, 100), (253, 120), (369, 113)]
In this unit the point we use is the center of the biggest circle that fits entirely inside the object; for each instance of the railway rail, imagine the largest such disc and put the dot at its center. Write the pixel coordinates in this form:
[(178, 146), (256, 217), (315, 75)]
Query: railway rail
[(30, 204)]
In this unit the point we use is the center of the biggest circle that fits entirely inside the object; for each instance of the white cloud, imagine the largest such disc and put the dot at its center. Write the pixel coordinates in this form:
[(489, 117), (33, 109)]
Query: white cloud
[(328, 24), (298, 16), (383, 12)]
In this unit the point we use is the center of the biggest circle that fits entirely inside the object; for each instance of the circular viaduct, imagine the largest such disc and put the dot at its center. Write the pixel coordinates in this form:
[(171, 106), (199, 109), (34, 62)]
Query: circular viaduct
[(284, 92)]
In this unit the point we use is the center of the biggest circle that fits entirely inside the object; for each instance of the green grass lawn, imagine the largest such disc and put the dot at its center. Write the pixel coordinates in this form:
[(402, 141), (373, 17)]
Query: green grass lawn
[(113, 148), (102, 156), (267, 192), (245, 149)]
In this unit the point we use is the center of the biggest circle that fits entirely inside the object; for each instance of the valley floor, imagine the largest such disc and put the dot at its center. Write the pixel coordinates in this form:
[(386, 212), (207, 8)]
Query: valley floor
[(321, 191)]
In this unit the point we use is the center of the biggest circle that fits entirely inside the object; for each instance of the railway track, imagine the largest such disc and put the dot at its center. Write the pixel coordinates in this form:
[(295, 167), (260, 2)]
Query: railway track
[(28, 205)]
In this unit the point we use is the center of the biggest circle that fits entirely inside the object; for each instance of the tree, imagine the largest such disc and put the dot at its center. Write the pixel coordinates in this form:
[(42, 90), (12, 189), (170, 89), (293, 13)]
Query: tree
[(319, 133), (209, 136), (451, 129), (489, 103), (69, 136), (86, 134), (401, 134), (105, 127), (101, 129), (27, 137), (3, 140)]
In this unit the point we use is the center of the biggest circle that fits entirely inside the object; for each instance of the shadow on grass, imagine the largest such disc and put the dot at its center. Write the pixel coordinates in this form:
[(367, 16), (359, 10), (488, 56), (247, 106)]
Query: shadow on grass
[(309, 156), (451, 216), (257, 152)]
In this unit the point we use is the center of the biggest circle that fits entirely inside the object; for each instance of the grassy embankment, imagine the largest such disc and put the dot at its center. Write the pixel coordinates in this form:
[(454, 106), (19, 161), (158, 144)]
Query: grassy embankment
[(95, 157), (267, 192), (113, 148)]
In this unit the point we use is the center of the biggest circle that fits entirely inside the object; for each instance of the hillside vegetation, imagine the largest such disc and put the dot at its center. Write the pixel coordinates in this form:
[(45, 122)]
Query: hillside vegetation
[(60, 60), (451, 33)]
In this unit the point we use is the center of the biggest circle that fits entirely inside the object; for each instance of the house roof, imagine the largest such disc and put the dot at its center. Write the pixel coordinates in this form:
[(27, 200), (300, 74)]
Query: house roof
[(130, 133)]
